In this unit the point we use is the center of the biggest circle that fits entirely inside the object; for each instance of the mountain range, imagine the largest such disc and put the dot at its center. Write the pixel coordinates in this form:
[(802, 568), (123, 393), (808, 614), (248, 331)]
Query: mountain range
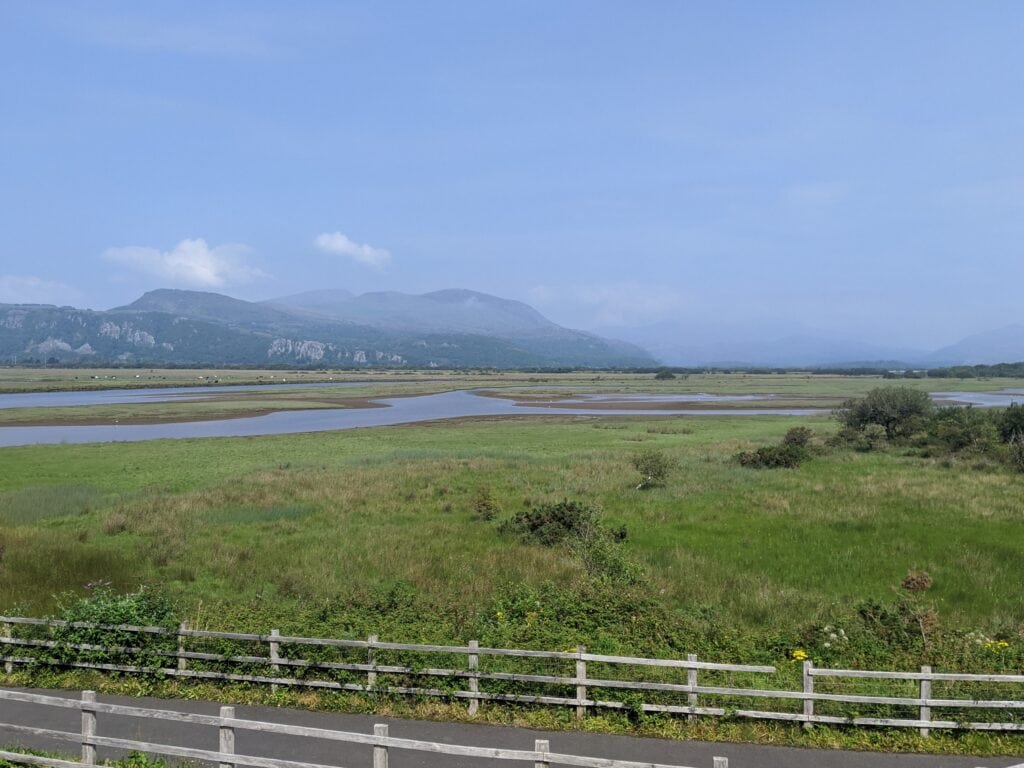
[(682, 343), (451, 328)]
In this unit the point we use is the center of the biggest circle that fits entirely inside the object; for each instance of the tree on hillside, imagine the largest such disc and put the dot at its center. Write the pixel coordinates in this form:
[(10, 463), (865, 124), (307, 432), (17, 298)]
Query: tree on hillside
[(898, 410)]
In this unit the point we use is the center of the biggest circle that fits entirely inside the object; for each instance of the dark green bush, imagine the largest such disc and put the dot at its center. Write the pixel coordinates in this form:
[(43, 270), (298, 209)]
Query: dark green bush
[(901, 411), (553, 524), (653, 466), (773, 456), (1011, 422)]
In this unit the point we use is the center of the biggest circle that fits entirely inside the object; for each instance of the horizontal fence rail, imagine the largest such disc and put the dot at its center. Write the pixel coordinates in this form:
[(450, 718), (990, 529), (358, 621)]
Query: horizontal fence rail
[(226, 755), (571, 678)]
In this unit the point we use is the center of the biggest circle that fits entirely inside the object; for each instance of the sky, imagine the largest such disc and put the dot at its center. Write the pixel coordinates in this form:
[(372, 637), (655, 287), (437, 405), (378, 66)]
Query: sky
[(854, 168)]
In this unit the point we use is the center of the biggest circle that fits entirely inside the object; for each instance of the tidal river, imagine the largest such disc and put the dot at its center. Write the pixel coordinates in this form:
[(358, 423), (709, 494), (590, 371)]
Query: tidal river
[(396, 410)]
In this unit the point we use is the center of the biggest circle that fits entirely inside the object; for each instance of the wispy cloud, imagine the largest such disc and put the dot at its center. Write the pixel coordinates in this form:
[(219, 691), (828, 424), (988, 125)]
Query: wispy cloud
[(191, 263), (337, 244), (610, 304), (29, 289)]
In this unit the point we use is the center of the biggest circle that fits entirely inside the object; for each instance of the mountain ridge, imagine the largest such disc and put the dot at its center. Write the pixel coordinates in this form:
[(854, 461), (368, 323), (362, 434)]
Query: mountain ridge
[(180, 327)]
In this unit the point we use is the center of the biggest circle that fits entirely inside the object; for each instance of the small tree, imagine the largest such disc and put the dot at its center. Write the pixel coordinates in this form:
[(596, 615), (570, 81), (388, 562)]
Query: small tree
[(653, 466), (898, 410)]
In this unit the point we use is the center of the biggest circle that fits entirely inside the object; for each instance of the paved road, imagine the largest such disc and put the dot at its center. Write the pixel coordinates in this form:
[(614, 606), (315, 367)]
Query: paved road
[(691, 753)]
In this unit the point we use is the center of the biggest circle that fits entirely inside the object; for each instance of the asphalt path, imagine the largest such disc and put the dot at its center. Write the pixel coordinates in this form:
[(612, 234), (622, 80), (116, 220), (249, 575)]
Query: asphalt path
[(689, 753)]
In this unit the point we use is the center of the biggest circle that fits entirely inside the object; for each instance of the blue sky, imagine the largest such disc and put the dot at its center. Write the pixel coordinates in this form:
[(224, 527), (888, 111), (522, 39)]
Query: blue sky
[(851, 167)]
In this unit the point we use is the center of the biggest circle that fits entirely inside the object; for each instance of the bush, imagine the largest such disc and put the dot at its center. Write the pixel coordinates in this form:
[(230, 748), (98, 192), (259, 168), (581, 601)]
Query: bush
[(899, 410), (789, 453), (553, 524), (1017, 452), (142, 608), (664, 375), (1011, 422), (485, 506), (960, 429), (773, 456), (653, 466), (798, 436)]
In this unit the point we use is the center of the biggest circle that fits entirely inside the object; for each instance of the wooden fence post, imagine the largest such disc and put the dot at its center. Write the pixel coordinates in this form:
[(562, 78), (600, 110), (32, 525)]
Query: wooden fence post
[(808, 689), (275, 657), (581, 681), (227, 735), (88, 728), (371, 659), (474, 681), (182, 660), (380, 752), (926, 693), (544, 747), (691, 680), (5, 631)]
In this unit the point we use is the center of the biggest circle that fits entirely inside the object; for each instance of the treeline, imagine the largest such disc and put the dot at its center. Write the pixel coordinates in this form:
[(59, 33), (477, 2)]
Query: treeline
[(998, 371)]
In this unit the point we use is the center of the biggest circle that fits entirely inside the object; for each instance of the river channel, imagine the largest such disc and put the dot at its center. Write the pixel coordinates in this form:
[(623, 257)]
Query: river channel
[(395, 410)]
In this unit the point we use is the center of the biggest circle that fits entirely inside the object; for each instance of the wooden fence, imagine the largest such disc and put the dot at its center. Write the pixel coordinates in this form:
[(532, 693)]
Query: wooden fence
[(228, 726), (587, 681)]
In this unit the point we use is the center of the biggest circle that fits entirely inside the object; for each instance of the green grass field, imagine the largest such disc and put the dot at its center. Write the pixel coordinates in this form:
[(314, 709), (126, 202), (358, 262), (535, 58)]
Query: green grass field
[(311, 518), (378, 531)]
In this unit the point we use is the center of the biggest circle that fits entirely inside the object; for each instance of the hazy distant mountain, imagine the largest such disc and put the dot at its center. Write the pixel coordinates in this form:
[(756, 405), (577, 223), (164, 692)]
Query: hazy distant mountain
[(453, 310), (183, 327), (684, 345), (1002, 345)]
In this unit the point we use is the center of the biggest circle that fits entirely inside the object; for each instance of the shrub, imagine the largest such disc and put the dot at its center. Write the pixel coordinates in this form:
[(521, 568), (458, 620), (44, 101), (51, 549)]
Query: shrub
[(664, 375), (798, 436), (960, 429), (773, 456), (103, 606), (485, 506), (653, 466), (899, 410), (553, 524), (1017, 452), (789, 453), (1011, 422)]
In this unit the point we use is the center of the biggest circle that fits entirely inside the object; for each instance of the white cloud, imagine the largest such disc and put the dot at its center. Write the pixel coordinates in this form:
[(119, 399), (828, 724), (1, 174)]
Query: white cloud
[(338, 244), (29, 289), (190, 263)]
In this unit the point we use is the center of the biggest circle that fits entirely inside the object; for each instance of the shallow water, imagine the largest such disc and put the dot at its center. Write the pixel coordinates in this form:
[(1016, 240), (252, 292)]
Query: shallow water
[(399, 410), (147, 394)]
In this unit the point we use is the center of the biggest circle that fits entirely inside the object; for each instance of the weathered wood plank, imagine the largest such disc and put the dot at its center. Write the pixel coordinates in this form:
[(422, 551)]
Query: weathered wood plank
[(50, 762)]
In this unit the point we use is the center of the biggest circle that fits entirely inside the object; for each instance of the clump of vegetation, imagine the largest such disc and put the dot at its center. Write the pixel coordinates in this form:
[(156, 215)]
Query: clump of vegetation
[(900, 411), (103, 606), (578, 527), (1011, 423), (653, 466), (664, 375), (554, 524), (900, 416), (790, 453), (485, 506), (917, 581)]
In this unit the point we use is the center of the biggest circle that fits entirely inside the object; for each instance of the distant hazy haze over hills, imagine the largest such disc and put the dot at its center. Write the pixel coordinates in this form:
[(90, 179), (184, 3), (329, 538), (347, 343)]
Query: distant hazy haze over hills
[(692, 344)]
